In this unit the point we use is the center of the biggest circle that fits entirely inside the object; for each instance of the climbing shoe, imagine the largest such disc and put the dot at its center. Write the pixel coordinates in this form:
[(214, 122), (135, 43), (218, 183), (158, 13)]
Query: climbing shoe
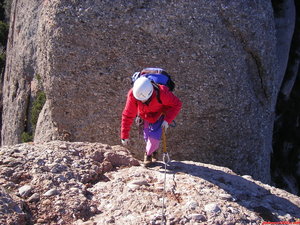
[(147, 159), (154, 156)]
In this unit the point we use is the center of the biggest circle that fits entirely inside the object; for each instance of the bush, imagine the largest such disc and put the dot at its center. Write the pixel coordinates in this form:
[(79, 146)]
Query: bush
[(37, 106), (3, 33), (2, 61), (26, 137), (7, 8), (2, 10)]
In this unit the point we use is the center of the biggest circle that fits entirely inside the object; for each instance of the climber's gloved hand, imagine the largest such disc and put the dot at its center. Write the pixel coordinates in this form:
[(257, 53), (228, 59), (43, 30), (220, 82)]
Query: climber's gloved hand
[(165, 125), (125, 141)]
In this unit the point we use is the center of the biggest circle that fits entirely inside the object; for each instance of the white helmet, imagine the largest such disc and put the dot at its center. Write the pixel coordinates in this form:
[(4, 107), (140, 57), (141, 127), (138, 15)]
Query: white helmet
[(142, 89)]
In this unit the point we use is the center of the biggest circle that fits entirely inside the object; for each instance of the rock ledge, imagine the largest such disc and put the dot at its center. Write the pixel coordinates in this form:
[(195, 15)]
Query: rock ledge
[(92, 183)]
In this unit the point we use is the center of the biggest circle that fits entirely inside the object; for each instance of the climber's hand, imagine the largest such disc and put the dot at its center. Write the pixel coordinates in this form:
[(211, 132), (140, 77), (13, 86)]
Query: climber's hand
[(165, 125), (125, 141)]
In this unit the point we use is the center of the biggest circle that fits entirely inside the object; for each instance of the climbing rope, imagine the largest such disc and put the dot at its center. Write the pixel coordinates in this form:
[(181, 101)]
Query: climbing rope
[(140, 125), (166, 160)]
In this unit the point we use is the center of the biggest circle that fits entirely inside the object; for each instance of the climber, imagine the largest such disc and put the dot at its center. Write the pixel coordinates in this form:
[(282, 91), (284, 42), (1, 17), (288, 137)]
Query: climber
[(157, 106)]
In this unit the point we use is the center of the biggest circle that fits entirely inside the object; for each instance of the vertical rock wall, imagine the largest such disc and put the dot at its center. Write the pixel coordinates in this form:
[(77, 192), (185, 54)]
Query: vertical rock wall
[(286, 145), (221, 54), (20, 69)]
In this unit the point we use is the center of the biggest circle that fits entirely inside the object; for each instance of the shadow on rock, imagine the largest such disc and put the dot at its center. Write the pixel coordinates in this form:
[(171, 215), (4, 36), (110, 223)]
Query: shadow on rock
[(253, 195)]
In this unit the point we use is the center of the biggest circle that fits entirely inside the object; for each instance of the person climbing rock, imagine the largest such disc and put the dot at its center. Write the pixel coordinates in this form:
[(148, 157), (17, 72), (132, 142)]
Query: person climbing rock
[(156, 105)]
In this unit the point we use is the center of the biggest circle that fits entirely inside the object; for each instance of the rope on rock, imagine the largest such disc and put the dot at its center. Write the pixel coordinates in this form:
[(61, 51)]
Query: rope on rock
[(166, 160)]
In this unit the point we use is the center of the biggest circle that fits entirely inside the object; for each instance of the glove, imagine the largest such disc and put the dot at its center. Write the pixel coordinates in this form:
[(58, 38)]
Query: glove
[(125, 141), (165, 125)]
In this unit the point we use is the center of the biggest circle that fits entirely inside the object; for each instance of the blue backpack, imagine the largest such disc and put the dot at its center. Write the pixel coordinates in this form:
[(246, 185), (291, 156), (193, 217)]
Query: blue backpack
[(157, 76)]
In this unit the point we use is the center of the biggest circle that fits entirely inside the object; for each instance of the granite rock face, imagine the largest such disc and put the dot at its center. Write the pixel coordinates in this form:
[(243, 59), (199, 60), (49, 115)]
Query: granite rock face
[(222, 55), (286, 145), (20, 69), (93, 183)]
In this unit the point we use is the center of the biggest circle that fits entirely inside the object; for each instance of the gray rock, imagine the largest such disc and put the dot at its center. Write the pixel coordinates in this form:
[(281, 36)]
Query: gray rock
[(284, 19), (40, 162), (61, 179), (58, 168), (133, 186), (34, 198), (192, 205), (286, 15), (51, 192), (197, 217), (227, 197), (23, 49), (9, 185), (193, 192), (11, 210), (25, 190), (233, 210), (212, 208), (222, 56), (139, 182)]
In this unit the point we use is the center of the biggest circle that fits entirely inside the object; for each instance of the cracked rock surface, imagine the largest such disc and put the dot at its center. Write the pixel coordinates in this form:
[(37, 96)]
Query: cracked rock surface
[(92, 183), (48, 183)]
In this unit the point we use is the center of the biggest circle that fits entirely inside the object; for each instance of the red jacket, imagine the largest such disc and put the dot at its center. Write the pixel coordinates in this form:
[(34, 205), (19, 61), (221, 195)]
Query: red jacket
[(170, 106)]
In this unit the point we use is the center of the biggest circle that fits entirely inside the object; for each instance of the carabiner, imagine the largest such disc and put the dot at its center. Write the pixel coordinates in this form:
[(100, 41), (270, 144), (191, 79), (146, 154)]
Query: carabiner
[(166, 158)]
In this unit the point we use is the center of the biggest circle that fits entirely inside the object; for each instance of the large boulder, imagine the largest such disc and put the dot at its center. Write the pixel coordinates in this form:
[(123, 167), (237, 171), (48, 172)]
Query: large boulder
[(222, 56)]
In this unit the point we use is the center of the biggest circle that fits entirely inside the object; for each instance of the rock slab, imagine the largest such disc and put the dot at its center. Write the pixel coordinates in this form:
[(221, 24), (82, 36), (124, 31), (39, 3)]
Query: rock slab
[(89, 191)]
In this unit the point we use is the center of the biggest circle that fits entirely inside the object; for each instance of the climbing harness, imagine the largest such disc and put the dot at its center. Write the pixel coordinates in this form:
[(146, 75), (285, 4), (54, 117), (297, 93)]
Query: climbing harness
[(166, 160)]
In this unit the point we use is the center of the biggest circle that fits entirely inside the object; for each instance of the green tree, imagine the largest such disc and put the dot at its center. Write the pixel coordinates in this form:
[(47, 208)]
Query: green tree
[(35, 110), (37, 106), (2, 61), (2, 10), (5, 8), (26, 137), (3, 33)]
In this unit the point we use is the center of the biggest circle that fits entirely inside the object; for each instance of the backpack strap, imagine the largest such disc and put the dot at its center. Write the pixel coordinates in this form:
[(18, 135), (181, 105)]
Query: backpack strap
[(156, 88)]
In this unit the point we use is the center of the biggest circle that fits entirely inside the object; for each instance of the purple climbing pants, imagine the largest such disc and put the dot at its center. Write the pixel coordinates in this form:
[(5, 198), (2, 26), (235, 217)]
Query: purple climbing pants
[(152, 135)]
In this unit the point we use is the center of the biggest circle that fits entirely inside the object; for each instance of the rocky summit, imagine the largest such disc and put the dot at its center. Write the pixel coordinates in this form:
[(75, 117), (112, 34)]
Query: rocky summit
[(84, 183)]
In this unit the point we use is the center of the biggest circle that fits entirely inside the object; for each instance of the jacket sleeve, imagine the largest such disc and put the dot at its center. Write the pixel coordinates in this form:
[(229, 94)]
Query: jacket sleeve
[(128, 115), (171, 103)]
